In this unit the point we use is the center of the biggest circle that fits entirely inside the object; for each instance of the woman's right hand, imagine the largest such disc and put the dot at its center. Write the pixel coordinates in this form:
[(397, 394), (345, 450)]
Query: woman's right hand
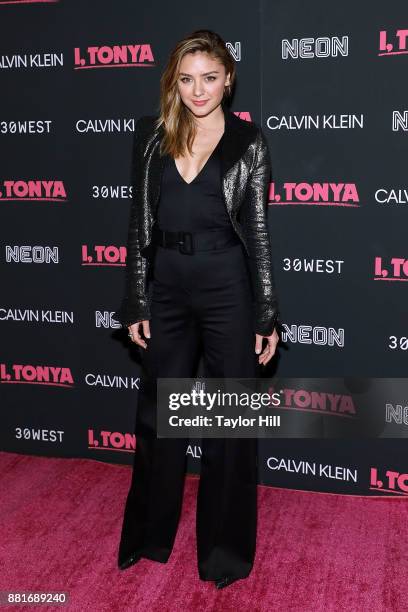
[(135, 331)]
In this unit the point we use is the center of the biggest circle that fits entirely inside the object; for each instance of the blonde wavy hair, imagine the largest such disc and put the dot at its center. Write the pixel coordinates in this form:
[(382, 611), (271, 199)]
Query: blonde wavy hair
[(179, 127)]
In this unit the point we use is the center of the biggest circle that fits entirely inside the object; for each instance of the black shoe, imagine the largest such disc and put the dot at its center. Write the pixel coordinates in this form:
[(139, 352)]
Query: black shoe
[(134, 558), (224, 582)]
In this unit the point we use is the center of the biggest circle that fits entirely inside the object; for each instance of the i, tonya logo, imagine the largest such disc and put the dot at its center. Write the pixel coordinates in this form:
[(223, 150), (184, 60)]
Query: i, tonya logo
[(398, 46), (102, 255), (35, 190), (320, 194), (117, 56), (395, 270), (244, 115), (321, 402), (111, 440), (50, 376), (392, 482)]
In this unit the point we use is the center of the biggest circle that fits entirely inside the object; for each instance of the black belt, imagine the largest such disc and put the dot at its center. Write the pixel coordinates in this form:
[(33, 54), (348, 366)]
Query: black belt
[(189, 242)]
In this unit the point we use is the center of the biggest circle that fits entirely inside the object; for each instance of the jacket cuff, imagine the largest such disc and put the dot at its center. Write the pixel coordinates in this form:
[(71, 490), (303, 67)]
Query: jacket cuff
[(266, 319), (129, 313)]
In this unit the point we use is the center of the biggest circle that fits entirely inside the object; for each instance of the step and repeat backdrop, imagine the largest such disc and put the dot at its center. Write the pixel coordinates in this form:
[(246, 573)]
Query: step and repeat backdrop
[(329, 90)]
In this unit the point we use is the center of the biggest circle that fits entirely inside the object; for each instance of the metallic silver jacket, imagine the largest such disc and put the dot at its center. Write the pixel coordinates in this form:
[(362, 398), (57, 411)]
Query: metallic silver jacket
[(245, 171)]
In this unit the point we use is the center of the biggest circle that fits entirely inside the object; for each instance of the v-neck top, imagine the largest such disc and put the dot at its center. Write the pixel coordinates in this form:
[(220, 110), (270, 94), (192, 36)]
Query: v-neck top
[(193, 206)]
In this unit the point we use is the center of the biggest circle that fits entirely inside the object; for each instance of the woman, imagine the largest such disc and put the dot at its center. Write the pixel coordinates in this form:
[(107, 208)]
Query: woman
[(199, 280)]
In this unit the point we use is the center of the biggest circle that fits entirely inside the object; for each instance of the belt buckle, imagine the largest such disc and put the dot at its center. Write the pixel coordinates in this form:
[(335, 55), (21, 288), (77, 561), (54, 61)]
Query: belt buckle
[(182, 243)]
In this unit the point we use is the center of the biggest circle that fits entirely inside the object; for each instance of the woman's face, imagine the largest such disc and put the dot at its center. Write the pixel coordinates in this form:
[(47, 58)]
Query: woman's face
[(201, 79)]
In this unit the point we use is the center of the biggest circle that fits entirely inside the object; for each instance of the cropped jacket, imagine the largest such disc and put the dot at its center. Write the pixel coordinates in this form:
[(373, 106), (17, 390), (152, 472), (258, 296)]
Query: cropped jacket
[(245, 172)]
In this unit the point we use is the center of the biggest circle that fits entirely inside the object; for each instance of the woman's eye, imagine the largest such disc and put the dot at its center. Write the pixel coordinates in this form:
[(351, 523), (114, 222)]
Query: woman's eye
[(185, 79)]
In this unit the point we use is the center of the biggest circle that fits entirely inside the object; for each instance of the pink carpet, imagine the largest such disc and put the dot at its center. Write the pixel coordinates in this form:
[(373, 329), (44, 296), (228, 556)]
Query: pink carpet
[(61, 522)]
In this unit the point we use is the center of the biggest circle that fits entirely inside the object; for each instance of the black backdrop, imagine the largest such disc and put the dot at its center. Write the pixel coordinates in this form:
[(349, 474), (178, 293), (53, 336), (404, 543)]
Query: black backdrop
[(329, 90)]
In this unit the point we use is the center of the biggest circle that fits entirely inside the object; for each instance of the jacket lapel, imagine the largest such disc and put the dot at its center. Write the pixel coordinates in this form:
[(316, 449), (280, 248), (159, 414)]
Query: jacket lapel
[(238, 136)]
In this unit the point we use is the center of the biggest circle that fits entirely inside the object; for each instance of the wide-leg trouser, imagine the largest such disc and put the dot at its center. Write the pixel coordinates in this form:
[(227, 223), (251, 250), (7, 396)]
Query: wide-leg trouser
[(201, 305)]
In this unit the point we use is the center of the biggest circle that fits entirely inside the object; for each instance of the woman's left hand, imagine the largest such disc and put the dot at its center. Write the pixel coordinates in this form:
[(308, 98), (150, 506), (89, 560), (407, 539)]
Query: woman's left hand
[(269, 349)]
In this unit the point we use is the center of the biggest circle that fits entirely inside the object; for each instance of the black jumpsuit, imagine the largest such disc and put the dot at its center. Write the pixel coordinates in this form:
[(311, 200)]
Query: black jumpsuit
[(201, 304)]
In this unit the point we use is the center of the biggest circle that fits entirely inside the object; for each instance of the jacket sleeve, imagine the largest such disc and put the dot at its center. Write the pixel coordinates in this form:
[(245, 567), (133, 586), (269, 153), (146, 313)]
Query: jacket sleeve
[(266, 313), (134, 306)]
